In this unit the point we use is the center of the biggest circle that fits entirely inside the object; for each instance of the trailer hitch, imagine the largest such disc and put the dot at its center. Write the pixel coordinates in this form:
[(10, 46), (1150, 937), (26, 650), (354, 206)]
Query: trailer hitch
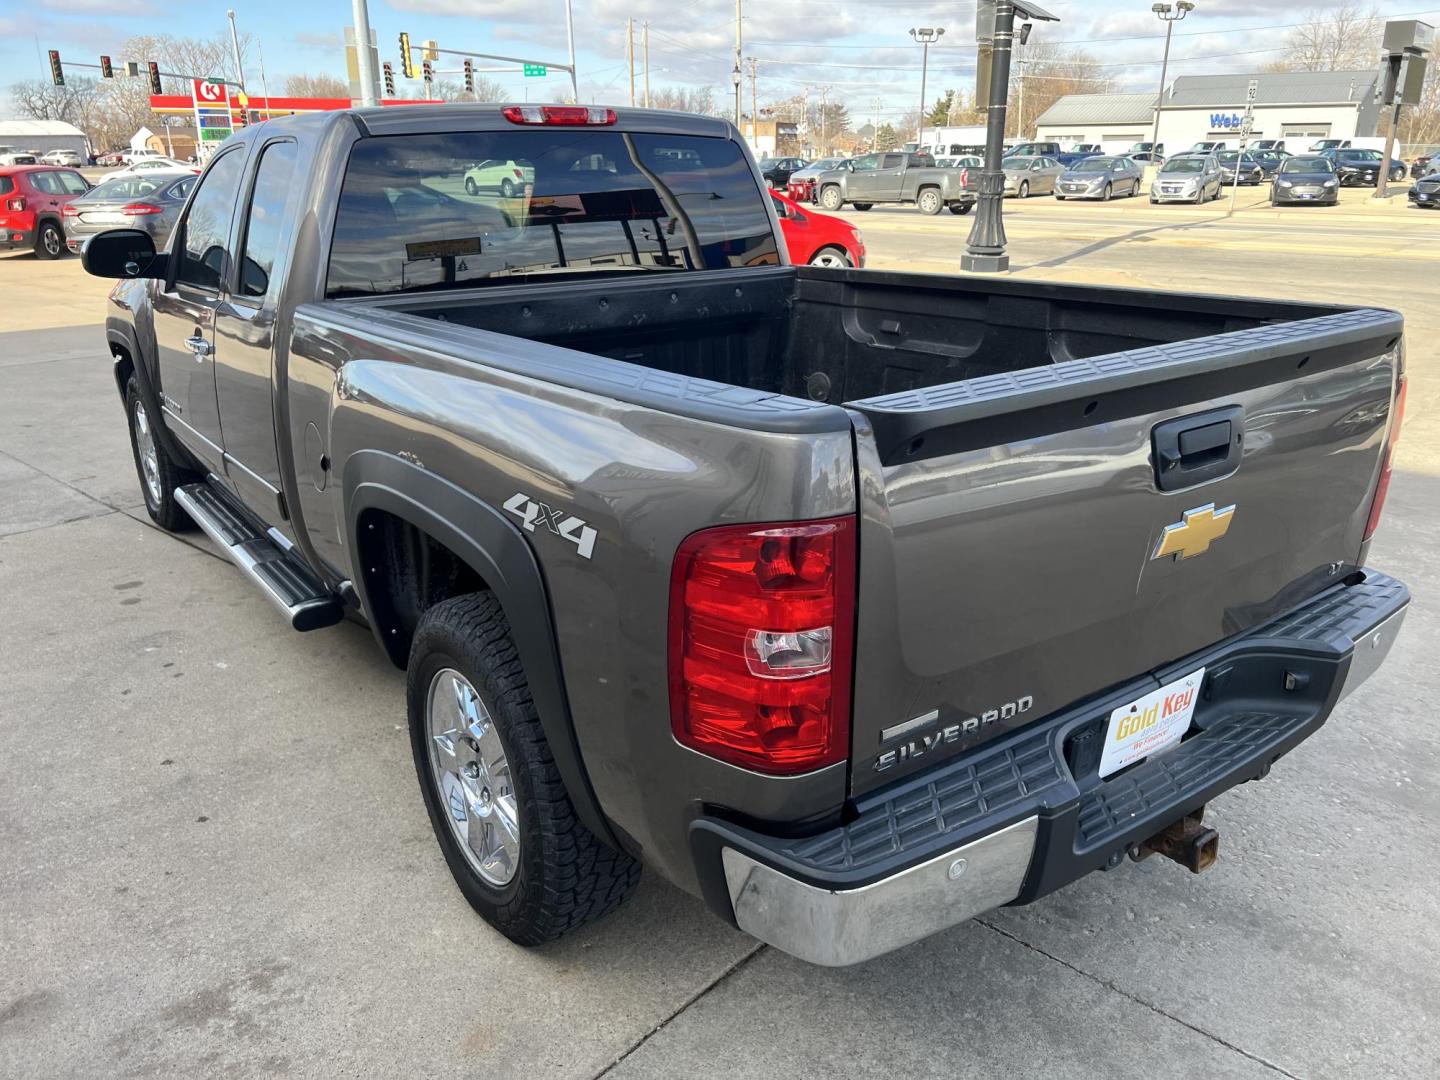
[(1190, 843)]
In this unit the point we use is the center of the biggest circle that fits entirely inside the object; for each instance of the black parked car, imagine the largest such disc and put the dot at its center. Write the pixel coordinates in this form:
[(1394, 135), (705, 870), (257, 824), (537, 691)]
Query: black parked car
[(1361, 168), (1270, 160), (1425, 192), (777, 170), (1232, 161), (1306, 178), (1424, 165)]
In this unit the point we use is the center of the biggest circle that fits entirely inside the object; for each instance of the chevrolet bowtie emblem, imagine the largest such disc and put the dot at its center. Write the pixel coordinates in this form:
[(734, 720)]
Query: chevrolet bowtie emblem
[(1195, 532)]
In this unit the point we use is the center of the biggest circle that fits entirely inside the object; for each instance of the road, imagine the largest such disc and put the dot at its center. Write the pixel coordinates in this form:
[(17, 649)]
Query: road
[(217, 863)]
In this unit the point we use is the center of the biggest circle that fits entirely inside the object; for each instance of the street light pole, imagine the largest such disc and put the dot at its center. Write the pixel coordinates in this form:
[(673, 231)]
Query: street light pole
[(735, 75), (235, 45), (924, 35), (369, 90), (1170, 16), (570, 45), (985, 249)]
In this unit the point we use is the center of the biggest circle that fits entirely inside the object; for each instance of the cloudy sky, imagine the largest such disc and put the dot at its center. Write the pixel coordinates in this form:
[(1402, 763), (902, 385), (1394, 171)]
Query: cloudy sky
[(861, 50)]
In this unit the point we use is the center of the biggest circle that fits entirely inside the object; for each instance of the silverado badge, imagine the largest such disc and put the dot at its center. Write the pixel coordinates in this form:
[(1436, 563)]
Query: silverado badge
[(1195, 531)]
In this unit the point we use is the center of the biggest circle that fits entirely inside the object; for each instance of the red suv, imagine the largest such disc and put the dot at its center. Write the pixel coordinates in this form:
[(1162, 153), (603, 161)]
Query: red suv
[(32, 198)]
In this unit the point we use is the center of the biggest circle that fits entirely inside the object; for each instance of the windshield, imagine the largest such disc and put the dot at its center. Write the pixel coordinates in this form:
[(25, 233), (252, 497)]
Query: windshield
[(1184, 165), (1307, 164), (129, 187), (1359, 155), (1097, 164), (415, 213)]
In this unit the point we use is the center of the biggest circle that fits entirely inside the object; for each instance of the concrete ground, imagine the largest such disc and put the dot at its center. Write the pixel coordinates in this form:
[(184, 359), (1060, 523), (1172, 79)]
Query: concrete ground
[(216, 862)]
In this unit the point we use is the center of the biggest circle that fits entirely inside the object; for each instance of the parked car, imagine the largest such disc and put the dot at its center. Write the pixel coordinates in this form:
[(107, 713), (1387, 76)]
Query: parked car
[(13, 155), (149, 163), (1026, 176), (1270, 160), (70, 158), (32, 201), (1268, 144), (1231, 162), (1147, 157), (947, 155), (1424, 165), (1425, 192), (1147, 148), (1100, 177), (1306, 178), (1329, 144), (131, 155), (1361, 168), (509, 178), (801, 186), (149, 201), (110, 158), (895, 177), (1190, 178), (672, 560), (1034, 149), (1206, 147), (1086, 149), (777, 171), (817, 239)]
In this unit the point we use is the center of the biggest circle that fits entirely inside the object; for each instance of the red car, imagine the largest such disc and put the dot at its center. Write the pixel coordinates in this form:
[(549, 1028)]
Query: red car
[(818, 239), (32, 199)]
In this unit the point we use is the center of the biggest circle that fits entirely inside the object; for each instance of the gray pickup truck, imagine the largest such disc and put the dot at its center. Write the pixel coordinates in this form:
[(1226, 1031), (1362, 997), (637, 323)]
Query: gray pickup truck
[(894, 177), (856, 603)]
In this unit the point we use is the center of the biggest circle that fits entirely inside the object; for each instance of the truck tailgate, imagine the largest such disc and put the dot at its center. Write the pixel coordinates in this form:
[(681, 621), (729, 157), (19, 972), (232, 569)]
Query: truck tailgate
[(1014, 553)]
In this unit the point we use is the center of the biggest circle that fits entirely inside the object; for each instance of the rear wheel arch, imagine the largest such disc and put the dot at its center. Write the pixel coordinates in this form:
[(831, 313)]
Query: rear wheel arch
[(410, 553)]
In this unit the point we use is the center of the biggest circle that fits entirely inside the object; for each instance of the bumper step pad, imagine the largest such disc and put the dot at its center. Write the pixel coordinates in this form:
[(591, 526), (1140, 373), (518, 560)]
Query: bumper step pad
[(285, 581)]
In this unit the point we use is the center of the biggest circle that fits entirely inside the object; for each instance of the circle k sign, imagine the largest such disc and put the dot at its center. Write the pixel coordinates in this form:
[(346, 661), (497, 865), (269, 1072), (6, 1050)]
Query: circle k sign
[(209, 92)]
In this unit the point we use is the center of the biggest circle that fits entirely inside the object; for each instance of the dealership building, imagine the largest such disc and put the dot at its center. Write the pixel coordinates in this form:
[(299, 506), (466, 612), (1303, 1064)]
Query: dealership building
[(1301, 105)]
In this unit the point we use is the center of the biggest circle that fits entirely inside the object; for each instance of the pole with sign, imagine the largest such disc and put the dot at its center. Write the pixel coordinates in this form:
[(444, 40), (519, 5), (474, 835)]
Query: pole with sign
[(1246, 125), (212, 115)]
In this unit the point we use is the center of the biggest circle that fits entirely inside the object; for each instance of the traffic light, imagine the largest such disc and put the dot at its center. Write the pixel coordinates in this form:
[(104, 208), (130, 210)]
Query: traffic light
[(389, 79), (407, 65), (154, 70), (429, 73), (106, 71), (56, 71), (470, 76)]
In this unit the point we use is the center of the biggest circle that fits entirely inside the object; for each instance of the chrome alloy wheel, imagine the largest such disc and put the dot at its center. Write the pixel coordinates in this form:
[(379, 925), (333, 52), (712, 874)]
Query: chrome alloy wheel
[(149, 456), (472, 775), (831, 257)]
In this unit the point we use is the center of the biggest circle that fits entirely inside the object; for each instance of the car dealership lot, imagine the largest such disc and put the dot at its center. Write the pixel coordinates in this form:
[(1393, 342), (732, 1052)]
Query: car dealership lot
[(216, 858)]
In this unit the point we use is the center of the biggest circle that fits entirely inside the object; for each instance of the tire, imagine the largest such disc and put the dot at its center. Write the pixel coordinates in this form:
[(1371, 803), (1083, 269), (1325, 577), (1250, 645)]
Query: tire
[(861, 206), (560, 876), (960, 209), (1154, 201), (1059, 197), (830, 198), (1105, 193), (159, 476), (929, 202), (49, 241), (471, 188), (832, 256), (1024, 192), (507, 188)]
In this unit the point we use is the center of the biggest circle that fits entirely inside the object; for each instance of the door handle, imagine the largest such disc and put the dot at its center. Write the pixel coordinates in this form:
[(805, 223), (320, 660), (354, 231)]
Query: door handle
[(199, 346)]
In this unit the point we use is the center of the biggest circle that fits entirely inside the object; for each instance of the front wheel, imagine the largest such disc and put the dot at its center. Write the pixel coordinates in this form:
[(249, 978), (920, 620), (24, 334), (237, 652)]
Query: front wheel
[(496, 801), (471, 188), (159, 475), (1024, 191), (833, 257), (929, 202), (49, 241), (830, 198), (1105, 193)]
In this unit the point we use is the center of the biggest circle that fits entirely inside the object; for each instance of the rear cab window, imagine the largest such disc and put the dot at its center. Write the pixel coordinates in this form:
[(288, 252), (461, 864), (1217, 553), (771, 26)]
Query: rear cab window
[(429, 211)]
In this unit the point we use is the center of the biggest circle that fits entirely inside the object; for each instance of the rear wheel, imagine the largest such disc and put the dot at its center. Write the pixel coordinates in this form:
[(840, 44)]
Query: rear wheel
[(929, 202), (830, 198), (1024, 191), (960, 208), (159, 475), (49, 241), (861, 206), (471, 188), (833, 257), (507, 188), (496, 802)]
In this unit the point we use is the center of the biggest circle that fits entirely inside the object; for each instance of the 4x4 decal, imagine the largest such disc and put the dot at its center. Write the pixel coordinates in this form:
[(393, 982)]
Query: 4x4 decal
[(566, 526)]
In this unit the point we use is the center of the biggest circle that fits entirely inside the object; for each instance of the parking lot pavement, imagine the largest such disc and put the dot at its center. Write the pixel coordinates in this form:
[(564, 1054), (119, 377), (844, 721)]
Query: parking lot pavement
[(216, 858)]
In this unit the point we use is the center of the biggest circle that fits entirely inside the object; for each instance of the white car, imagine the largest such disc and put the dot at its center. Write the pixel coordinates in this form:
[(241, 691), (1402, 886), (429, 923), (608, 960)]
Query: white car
[(13, 155), (64, 157), (509, 178), (151, 163)]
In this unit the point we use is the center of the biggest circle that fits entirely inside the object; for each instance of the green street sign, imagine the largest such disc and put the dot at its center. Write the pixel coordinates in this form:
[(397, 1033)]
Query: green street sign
[(535, 71)]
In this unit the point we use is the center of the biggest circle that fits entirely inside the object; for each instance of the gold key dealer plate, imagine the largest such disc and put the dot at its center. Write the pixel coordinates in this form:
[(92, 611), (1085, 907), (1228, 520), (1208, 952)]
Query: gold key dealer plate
[(1151, 723)]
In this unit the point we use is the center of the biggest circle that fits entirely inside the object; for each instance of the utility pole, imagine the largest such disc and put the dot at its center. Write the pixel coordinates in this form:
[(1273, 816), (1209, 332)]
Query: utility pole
[(645, 40), (824, 93), (369, 89), (630, 55), (235, 45), (925, 35), (875, 123), (754, 106), (735, 74)]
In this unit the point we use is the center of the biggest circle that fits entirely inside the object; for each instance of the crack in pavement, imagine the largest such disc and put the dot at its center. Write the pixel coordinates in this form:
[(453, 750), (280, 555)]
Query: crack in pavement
[(1140, 1001), (684, 1005)]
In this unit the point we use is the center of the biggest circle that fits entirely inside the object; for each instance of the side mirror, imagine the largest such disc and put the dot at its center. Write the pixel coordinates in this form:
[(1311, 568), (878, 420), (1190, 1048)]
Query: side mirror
[(122, 253), (849, 166)]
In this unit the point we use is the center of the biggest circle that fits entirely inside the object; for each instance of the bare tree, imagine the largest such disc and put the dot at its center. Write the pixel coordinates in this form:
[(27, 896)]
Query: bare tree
[(75, 103), (451, 90), (1337, 39), (1050, 72), (316, 86)]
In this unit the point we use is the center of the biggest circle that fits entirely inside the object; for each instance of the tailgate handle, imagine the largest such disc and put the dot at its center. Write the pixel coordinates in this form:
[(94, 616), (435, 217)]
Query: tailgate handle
[(1193, 449)]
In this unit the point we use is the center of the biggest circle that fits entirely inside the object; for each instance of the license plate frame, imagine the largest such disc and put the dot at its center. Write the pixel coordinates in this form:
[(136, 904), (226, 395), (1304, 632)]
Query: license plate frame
[(1151, 724)]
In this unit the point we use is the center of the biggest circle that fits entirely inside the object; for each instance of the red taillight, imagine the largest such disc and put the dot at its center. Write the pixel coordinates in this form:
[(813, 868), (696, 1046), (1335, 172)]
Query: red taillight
[(17, 204), (1387, 459), (139, 209), (518, 174), (566, 115), (964, 177), (762, 627), (69, 210)]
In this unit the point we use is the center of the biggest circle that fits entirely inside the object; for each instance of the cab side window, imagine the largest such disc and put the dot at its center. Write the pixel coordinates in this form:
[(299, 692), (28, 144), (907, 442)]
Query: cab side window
[(893, 161), (206, 229), (261, 243)]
